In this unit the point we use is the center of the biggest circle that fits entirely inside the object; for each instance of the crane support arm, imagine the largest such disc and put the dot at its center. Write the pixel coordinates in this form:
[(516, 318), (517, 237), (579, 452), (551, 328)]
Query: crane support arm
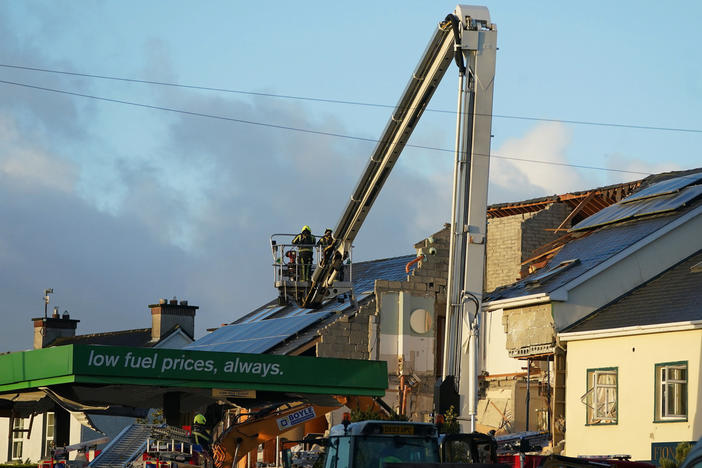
[(417, 94)]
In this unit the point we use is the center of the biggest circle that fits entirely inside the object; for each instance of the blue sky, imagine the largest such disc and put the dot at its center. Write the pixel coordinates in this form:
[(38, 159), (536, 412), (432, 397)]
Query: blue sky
[(115, 206)]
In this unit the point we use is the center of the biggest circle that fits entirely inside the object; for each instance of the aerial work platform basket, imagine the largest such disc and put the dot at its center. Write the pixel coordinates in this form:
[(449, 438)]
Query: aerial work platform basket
[(293, 275)]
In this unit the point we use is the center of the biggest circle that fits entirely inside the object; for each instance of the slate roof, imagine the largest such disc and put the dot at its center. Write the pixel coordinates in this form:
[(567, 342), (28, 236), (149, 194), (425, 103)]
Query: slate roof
[(673, 296), (594, 246), (134, 338), (138, 338), (272, 326)]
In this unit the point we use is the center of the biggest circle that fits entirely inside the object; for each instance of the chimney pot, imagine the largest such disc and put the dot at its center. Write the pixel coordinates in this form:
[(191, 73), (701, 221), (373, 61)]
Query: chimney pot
[(183, 303), (56, 313), (65, 315), (162, 301), (174, 301)]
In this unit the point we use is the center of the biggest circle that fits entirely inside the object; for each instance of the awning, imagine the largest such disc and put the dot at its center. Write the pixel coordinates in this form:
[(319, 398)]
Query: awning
[(95, 376)]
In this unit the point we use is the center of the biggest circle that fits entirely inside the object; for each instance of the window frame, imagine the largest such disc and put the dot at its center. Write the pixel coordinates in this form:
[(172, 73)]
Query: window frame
[(590, 385), (658, 396), (47, 439), (18, 436)]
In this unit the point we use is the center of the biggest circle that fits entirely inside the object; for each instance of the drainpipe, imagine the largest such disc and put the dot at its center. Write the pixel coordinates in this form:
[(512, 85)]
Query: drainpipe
[(528, 392)]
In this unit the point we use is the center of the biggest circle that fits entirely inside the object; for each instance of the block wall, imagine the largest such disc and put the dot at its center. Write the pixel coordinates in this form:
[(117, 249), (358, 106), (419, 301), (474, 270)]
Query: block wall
[(513, 239), (347, 337)]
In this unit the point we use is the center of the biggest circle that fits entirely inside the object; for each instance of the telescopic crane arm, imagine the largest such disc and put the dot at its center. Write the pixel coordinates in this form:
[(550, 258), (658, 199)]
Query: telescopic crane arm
[(443, 46), (468, 37)]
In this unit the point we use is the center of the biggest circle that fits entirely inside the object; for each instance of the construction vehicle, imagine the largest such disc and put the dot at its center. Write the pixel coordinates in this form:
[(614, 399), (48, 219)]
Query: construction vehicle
[(466, 36), (59, 455), (151, 446), (469, 38), (371, 444)]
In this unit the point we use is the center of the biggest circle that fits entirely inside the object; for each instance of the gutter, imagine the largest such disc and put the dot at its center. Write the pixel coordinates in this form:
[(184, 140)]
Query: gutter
[(629, 331), (533, 299)]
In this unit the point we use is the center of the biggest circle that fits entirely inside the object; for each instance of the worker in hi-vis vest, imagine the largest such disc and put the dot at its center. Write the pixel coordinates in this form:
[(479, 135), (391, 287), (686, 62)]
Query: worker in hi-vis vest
[(305, 244)]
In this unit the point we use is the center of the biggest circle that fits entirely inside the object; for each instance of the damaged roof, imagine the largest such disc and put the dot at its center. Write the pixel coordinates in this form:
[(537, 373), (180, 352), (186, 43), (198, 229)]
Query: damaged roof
[(586, 202), (673, 296), (615, 228), (274, 326)]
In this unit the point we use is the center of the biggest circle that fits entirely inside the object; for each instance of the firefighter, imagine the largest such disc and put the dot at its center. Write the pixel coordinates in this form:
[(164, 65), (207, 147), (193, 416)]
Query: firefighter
[(200, 433), (305, 242), (324, 244)]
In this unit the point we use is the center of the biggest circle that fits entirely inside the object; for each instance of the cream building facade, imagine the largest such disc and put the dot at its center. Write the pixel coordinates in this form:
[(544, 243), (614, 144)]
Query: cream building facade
[(633, 369)]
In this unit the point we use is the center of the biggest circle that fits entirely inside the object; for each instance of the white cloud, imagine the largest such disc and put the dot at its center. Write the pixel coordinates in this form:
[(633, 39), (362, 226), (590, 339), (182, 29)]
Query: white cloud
[(625, 163), (24, 164), (519, 180)]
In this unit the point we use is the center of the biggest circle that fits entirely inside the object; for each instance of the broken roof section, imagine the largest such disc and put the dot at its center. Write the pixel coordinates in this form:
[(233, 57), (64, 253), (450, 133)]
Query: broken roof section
[(584, 203), (278, 329), (660, 197), (674, 296), (666, 197)]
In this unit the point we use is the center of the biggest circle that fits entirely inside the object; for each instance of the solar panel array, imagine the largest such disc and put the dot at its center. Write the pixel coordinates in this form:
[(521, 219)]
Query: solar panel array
[(272, 324), (664, 187), (255, 337), (668, 195)]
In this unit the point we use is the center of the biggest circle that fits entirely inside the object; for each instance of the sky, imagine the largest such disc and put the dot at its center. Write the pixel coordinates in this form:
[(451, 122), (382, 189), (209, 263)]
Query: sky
[(116, 205)]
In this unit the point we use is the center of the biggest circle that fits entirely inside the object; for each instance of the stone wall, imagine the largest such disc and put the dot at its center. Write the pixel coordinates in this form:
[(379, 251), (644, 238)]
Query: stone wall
[(513, 239), (503, 251), (348, 336)]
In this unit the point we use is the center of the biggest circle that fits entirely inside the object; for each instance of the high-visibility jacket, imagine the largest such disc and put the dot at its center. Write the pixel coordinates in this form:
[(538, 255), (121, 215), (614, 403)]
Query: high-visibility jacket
[(201, 435), (305, 242)]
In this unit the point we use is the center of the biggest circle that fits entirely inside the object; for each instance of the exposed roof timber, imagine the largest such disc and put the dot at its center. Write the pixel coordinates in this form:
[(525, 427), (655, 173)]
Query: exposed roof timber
[(550, 248), (590, 196), (599, 198)]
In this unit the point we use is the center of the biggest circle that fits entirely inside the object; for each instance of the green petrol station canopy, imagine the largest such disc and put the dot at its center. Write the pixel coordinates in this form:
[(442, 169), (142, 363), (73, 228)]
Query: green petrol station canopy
[(91, 374)]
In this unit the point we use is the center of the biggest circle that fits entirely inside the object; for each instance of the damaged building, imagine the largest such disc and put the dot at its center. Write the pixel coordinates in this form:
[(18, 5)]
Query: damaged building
[(396, 313)]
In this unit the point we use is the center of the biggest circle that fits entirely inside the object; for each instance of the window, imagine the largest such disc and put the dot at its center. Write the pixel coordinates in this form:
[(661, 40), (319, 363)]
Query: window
[(601, 396), (338, 453), (17, 438), (49, 428), (671, 391)]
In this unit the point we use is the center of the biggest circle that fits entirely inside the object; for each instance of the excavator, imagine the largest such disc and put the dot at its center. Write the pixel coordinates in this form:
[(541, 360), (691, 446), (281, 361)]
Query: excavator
[(468, 38)]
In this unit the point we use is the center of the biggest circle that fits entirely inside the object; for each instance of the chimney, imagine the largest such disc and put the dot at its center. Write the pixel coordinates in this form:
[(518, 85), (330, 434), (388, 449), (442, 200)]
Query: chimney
[(48, 329), (167, 314)]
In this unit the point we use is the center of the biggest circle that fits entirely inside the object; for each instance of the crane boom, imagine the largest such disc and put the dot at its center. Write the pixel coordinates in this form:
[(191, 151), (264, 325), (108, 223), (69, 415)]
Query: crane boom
[(419, 90), (467, 36)]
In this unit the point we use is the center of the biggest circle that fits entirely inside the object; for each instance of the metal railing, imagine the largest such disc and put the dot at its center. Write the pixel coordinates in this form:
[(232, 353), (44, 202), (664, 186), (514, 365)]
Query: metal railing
[(290, 267)]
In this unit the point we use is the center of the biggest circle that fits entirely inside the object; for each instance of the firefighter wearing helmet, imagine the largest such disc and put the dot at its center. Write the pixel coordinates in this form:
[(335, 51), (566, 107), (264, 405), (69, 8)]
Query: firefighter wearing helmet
[(201, 435), (305, 243)]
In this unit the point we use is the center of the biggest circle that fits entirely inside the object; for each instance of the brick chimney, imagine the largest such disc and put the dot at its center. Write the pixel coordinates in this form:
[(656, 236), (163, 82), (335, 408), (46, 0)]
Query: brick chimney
[(167, 314), (47, 329)]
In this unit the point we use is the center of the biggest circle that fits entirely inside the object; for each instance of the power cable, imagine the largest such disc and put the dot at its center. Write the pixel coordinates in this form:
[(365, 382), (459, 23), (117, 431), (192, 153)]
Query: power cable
[(301, 130), (346, 102)]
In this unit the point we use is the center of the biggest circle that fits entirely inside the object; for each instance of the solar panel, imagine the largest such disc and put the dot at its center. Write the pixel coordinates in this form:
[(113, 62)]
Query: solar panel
[(678, 200), (262, 314), (664, 187), (255, 337), (647, 206)]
